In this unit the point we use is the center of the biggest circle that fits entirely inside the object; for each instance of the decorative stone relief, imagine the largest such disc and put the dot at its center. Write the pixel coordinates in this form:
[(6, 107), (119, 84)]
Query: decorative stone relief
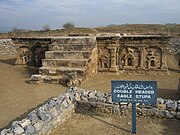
[(129, 59), (23, 55), (151, 59)]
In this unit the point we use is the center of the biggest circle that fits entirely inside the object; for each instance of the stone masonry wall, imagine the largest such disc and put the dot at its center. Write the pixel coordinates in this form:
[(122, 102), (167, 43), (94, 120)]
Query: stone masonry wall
[(44, 119), (7, 47)]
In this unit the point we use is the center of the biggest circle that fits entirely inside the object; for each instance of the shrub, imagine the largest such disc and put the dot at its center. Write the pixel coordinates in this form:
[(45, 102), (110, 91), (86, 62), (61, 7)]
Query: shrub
[(68, 25)]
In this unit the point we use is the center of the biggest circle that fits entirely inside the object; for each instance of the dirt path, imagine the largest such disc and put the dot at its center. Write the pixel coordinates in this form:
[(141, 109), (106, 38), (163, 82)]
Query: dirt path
[(17, 98), (116, 125)]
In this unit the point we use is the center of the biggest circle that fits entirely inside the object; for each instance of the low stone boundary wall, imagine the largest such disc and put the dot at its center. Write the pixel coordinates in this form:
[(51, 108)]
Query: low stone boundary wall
[(7, 47), (44, 119), (55, 111)]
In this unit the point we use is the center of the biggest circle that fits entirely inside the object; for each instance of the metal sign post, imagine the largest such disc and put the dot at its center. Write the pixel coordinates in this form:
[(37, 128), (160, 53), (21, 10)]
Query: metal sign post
[(134, 92), (134, 118)]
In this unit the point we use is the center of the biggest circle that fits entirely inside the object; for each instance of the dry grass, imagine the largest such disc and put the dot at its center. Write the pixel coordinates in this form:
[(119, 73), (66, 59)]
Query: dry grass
[(173, 30)]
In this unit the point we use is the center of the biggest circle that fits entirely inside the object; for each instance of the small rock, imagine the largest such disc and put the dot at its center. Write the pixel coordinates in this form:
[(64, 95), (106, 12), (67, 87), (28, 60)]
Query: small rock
[(30, 130), (33, 117), (38, 126), (144, 111), (59, 107), (51, 103), (53, 111), (161, 106), (18, 129), (25, 122), (178, 107), (102, 99), (160, 101), (165, 114), (117, 109), (168, 101), (65, 104), (150, 112), (171, 106), (84, 98), (99, 94), (4, 132), (138, 110)]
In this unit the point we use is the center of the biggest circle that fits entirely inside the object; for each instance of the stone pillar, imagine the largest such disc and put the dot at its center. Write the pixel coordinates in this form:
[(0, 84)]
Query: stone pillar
[(141, 51), (163, 58), (113, 66)]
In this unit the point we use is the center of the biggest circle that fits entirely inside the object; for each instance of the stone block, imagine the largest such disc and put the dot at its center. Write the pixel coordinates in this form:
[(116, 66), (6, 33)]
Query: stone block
[(25, 122), (33, 117), (39, 125), (65, 104), (164, 114), (150, 112), (160, 101), (18, 129), (171, 106), (30, 130)]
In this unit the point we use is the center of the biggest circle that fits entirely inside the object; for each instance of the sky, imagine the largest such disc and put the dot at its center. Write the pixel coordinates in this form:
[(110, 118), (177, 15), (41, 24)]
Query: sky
[(33, 14)]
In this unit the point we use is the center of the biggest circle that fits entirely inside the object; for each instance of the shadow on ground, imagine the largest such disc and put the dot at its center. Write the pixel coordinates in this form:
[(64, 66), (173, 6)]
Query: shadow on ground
[(9, 61), (171, 127), (23, 115), (174, 70), (168, 94)]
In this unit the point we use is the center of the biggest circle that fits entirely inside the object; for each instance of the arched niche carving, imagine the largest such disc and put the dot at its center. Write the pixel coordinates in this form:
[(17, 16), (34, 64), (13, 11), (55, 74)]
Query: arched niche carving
[(23, 55), (105, 62), (151, 59), (129, 59)]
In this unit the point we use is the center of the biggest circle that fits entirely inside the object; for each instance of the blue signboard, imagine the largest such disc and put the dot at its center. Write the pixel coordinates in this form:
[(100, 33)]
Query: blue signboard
[(134, 91)]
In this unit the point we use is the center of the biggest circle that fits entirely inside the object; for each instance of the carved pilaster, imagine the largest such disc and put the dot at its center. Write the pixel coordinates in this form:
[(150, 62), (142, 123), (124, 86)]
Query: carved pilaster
[(141, 57), (113, 51), (163, 58)]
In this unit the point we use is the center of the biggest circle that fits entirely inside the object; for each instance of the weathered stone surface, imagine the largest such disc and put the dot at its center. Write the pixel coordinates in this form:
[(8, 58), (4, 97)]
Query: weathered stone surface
[(169, 101), (138, 110), (178, 106), (150, 112), (117, 109), (7, 47), (54, 112), (4, 132), (161, 106), (171, 106), (25, 122), (160, 101), (30, 130), (33, 117), (65, 103), (165, 114), (18, 129), (39, 125)]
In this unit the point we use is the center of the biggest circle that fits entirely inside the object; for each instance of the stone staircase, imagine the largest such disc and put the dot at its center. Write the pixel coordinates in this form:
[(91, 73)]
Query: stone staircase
[(68, 61)]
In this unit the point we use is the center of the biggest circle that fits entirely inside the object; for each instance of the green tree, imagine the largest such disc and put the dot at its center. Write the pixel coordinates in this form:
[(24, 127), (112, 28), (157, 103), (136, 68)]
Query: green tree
[(46, 27), (68, 25)]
